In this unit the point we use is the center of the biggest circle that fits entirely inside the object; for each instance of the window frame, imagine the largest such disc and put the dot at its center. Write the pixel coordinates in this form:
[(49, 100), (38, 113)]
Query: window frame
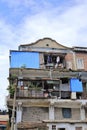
[(66, 112), (53, 127), (80, 63)]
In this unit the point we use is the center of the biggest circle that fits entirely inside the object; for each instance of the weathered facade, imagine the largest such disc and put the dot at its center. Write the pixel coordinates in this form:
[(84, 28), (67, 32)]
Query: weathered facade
[(51, 85)]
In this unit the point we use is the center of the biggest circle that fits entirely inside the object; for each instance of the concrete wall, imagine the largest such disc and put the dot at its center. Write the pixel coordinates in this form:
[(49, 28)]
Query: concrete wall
[(48, 43), (39, 114), (54, 114), (41, 56), (75, 112), (35, 114), (69, 61)]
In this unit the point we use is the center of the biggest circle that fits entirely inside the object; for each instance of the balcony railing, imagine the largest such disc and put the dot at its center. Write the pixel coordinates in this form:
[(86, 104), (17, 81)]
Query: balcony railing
[(29, 92), (40, 93)]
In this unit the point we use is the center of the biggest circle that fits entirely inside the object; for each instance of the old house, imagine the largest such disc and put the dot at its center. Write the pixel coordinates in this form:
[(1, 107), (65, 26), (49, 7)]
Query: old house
[(50, 83)]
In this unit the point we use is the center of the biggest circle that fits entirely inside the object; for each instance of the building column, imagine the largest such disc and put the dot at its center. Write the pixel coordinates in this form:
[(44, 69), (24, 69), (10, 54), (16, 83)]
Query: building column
[(51, 112), (19, 113), (74, 60), (82, 113)]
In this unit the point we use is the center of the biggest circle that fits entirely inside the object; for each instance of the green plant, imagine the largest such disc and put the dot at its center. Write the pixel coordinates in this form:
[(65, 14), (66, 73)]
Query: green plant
[(11, 89), (34, 86), (23, 66)]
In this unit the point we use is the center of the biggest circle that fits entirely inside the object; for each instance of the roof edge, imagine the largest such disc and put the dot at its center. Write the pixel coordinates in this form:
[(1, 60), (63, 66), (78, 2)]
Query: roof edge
[(42, 40)]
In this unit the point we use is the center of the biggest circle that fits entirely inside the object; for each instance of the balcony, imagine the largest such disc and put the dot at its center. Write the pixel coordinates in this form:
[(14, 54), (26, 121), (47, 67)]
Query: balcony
[(41, 93), (46, 88)]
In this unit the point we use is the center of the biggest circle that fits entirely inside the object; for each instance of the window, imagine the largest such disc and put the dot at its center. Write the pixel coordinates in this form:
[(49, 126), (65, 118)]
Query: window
[(80, 63), (65, 80), (53, 127), (66, 112), (47, 44)]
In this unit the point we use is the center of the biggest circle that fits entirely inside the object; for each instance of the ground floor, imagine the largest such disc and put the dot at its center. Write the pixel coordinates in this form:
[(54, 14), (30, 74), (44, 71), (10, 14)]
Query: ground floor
[(51, 126), (67, 126)]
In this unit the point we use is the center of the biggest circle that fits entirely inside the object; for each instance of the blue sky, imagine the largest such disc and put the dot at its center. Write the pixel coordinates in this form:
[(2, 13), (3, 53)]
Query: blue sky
[(25, 21)]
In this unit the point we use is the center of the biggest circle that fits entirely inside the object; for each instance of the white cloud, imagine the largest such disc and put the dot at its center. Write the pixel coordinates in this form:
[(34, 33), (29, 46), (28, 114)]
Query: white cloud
[(7, 35), (64, 28), (7, 41), (3, 79)]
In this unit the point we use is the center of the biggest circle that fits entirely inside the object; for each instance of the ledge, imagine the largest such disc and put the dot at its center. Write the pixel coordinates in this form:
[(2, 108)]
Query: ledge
[(65, 121)]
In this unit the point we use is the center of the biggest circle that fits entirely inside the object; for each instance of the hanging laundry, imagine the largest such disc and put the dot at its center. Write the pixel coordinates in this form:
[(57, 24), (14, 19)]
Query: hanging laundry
[(57, 59), (49, 59)]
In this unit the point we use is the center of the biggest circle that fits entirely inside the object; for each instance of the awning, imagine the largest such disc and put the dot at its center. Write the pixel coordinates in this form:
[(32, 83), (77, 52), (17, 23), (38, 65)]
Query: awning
[(76, 85)]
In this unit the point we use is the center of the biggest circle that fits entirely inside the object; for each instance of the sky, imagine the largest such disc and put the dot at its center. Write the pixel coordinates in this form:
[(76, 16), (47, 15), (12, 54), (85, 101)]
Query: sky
[(25, 21)]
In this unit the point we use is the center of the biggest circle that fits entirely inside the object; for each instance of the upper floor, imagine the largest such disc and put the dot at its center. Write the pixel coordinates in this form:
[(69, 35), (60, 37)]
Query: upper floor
[(47, 53), (46, 69), (32, 83)]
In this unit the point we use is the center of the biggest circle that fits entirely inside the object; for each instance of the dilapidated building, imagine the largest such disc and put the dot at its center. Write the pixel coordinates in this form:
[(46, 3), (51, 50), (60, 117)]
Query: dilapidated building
[(51, 86)]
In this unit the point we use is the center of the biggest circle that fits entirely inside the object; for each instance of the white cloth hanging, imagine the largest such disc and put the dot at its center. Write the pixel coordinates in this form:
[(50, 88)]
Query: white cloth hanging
[(57, 59)]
